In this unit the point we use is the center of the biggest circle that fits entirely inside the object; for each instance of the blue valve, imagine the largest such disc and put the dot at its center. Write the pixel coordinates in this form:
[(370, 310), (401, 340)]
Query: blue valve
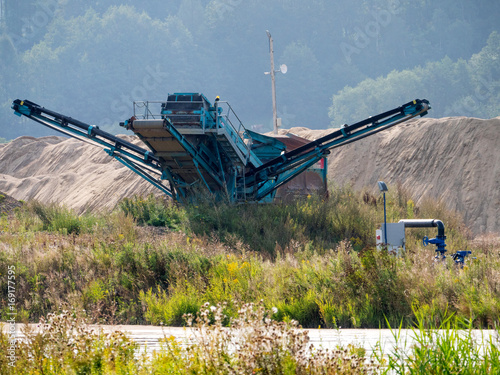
[(459, 257), (439, 241)]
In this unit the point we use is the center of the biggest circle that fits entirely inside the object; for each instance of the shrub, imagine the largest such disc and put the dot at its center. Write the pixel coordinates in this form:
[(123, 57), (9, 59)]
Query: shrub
[(64, 344), (254, 343), (153, 211), (55, 218), (170, 309)]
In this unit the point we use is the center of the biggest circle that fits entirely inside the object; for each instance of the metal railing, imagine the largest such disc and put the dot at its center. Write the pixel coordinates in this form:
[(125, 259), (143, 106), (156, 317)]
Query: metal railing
[(224, 111), (147, 114), (222, 120), (227, 121), (231, 118)]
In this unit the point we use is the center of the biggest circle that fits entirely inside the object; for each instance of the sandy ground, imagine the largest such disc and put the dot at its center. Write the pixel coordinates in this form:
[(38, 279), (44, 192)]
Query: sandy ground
[(455, 159), (67, 171)]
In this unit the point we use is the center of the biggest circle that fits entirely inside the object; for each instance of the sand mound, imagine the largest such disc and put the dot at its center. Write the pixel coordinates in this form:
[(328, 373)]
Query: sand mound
[(455, 159), (67, 171)]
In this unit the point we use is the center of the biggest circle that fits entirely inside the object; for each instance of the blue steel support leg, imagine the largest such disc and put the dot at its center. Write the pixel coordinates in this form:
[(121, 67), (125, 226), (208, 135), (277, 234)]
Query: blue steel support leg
[(197, 165), (142, 174)]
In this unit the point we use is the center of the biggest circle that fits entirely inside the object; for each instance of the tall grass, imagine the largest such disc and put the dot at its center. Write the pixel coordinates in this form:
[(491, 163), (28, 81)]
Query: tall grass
[(278, 227), (448, 348), (255, 344), (35, 216), (153, 211), (314, 260)]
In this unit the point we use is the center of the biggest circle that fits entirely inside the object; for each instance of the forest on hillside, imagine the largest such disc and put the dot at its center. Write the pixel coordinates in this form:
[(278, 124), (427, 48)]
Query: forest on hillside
[(346, 59)]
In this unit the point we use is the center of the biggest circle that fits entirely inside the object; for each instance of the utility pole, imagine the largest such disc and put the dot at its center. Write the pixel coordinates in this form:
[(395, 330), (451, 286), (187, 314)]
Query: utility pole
[(275, 113), (283, 69)]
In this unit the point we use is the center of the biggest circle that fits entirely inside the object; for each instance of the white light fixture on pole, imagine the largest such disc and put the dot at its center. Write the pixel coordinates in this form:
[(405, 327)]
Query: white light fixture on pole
[(283, 69)]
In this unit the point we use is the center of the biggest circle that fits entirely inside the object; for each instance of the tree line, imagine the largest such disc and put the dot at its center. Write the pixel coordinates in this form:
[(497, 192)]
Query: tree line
[(346, 61)]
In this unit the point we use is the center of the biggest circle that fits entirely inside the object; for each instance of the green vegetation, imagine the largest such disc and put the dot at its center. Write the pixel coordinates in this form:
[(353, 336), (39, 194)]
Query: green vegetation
[(444, 349), (64, 344), (466, 87), (219, 47), (313, 260), (262, 268), (152, 211), (55, 218)]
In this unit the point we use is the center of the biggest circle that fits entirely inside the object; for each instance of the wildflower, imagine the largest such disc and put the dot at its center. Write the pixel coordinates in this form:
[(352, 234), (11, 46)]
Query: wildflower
[(274, 309)]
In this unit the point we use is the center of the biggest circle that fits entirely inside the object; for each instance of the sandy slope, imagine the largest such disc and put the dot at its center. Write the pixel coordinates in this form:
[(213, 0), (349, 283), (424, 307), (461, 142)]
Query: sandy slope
[(456, 159), (57, 169)]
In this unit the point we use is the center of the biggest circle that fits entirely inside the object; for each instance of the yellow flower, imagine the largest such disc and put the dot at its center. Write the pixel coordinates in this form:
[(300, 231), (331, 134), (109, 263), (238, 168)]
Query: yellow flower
[(232, 267)]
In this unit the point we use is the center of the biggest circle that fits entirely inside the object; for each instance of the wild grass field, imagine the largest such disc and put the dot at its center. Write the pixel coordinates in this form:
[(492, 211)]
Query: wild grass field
[(311, 263)]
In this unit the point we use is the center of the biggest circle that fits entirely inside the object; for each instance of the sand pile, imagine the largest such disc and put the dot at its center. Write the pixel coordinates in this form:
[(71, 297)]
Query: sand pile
[(67, 171), (455, 159)]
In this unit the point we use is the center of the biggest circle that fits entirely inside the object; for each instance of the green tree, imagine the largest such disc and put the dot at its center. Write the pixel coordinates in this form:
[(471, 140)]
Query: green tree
[(463, 88), (115, 59), (483, 98)]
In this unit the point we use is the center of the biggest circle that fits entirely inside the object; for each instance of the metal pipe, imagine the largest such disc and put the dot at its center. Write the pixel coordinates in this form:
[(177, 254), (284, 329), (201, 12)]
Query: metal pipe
[(424, 223), (439, 241)]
